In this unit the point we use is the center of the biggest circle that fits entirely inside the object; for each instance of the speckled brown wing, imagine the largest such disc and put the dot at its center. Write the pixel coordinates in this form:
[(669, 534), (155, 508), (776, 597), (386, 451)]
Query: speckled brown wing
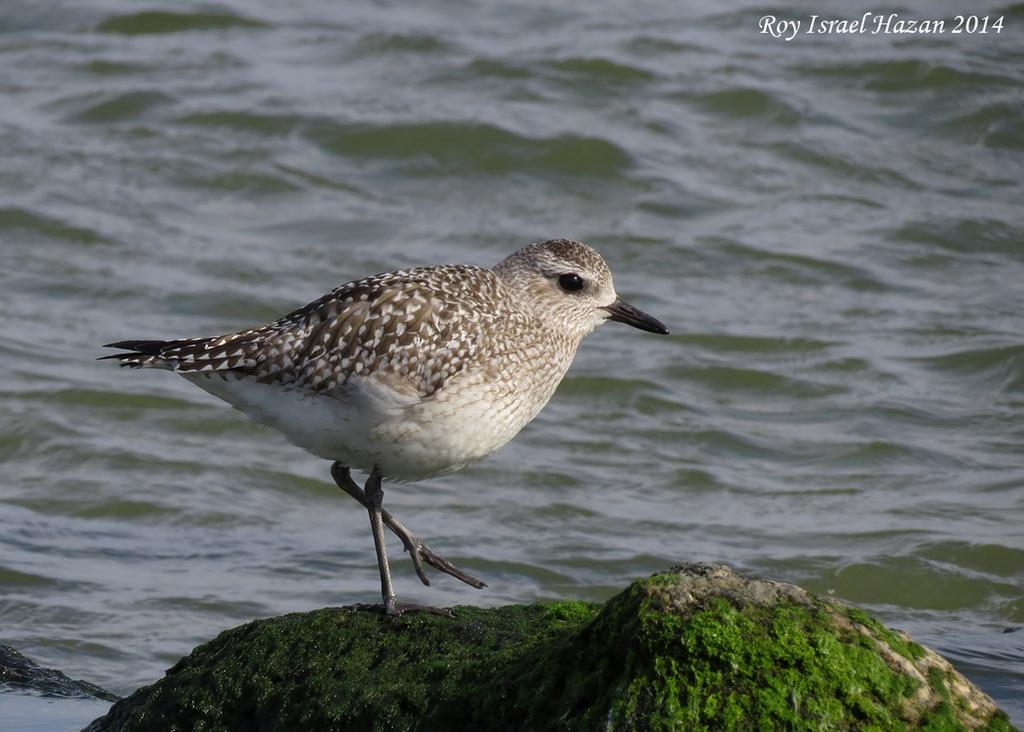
[(405, 327), (409, 328)]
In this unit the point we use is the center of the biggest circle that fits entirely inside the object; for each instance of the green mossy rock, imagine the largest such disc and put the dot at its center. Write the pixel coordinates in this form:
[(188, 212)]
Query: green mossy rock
[(696, 647)]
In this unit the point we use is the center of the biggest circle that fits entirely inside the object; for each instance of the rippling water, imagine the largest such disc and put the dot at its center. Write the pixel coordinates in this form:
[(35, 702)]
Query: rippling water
[(832, 228)]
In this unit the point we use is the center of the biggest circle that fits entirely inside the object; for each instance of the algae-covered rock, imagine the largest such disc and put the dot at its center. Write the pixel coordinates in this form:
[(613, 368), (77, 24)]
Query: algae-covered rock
[(696, 647)]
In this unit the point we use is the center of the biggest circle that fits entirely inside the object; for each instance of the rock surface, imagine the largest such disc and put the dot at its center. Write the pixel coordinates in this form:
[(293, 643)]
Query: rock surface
[(18, 673), (695, 647)]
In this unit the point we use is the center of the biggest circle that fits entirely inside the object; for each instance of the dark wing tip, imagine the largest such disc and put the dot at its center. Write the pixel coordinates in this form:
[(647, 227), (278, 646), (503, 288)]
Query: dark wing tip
[(137, 350), (150, 348)]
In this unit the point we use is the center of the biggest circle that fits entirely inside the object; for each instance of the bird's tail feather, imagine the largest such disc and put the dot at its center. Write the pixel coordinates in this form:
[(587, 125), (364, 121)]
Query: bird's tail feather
[(142, 354), (234, 352)]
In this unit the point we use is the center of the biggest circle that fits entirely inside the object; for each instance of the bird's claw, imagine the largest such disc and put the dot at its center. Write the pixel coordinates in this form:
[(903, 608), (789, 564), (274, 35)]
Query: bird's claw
[(441, 564), (396, 609), (418, 551)]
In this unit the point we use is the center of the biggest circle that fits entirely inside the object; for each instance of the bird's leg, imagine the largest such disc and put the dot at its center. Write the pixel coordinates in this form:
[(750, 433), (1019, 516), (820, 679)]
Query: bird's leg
[(343, 478), (375, 497), (418, 551)]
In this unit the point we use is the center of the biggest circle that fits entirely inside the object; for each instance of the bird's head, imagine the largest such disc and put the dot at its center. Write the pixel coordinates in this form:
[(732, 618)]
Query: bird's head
[(569, 286)]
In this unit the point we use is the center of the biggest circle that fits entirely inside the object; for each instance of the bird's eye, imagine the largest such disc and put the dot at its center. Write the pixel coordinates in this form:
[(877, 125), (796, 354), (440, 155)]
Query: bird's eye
[(570, 282)]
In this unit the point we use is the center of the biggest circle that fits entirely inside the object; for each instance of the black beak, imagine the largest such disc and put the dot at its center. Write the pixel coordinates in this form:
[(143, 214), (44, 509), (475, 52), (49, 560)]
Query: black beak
[(623, 312)]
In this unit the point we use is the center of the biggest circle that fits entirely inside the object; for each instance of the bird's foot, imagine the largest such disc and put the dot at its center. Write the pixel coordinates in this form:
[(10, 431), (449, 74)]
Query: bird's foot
[(396, 609), (420, 551)]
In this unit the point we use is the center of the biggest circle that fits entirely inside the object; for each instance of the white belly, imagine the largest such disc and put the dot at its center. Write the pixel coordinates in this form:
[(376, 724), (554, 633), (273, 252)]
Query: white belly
[(370, 424)]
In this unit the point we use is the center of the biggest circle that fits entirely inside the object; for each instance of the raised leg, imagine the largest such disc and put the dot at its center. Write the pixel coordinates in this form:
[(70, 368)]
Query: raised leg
[(418, 551)]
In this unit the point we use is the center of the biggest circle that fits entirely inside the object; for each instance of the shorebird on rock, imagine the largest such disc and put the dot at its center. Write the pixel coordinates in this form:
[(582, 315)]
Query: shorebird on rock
[(409, 374)]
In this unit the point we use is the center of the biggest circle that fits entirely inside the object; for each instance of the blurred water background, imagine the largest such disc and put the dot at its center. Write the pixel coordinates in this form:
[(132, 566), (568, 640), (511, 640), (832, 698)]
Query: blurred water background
[(832, 228)]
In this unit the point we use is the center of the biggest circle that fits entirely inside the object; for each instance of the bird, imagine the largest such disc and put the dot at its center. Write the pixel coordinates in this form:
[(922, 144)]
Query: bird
[(410, 374)]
